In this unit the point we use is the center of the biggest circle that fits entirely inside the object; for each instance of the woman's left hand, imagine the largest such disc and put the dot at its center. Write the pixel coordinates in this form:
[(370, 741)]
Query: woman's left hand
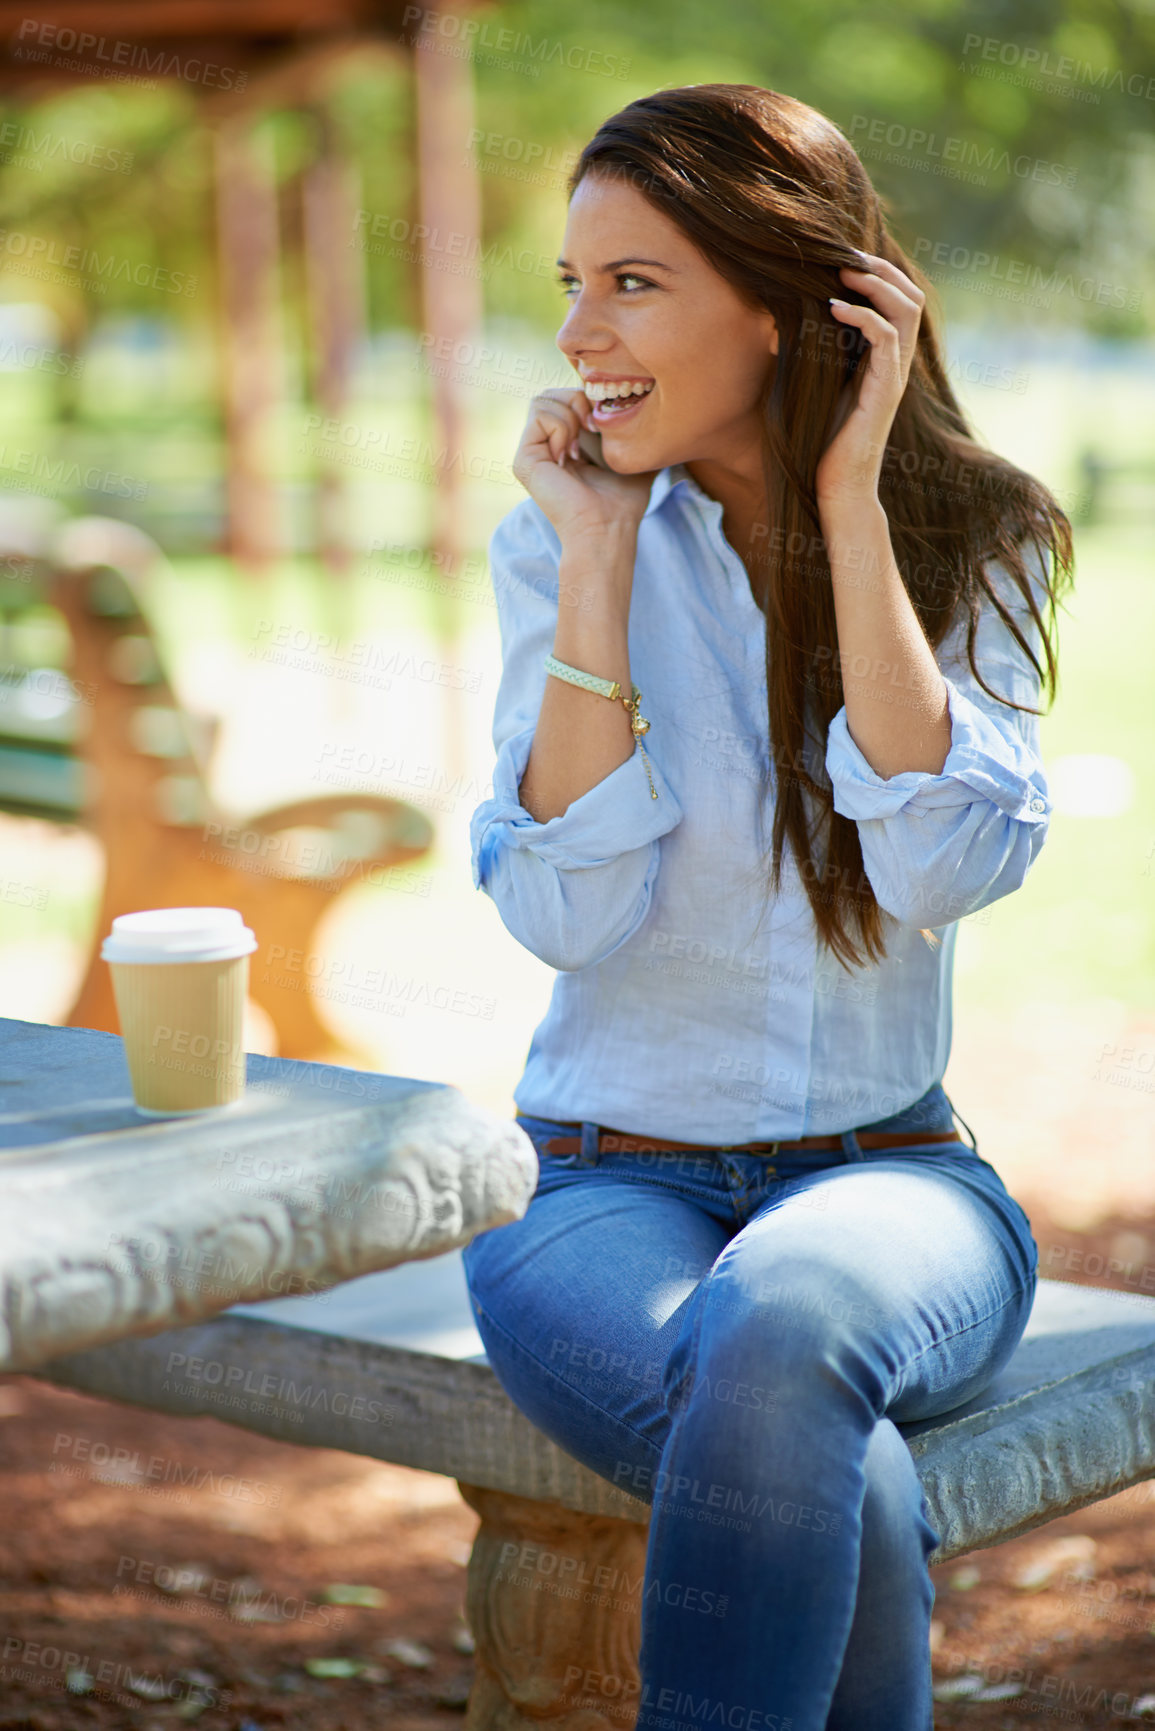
[(849, 468)]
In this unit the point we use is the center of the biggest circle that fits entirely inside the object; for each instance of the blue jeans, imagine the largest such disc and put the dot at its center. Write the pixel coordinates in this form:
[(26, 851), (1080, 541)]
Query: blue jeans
[(734, 1340)]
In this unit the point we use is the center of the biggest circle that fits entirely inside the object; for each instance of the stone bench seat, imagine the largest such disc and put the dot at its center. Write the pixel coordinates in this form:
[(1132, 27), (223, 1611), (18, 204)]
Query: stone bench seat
[(1068, 1421)]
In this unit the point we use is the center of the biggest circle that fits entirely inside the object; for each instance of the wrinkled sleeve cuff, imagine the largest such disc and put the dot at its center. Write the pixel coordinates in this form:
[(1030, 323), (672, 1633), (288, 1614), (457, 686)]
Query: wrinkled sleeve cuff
[(615, 816), (982, 763)]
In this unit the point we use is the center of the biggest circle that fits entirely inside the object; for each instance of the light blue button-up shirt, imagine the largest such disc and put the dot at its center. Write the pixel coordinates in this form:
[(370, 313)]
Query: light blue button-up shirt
[(686, 1004)]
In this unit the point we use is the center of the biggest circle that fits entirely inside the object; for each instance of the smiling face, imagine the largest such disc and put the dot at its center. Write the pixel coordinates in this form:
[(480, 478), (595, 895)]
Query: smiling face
[(653, 326)]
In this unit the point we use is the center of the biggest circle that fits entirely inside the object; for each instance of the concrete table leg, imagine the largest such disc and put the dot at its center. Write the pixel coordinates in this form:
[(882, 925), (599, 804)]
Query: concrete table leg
[(554, 1602)]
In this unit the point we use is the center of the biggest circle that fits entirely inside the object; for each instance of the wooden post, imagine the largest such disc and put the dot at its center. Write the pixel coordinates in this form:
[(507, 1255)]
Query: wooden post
[(335, 279), (250, 334), (554, 1602), (449, 199)]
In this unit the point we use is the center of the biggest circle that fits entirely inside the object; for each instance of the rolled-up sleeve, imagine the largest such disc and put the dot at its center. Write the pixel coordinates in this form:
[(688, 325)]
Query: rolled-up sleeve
[(939, 847), (573, 889)]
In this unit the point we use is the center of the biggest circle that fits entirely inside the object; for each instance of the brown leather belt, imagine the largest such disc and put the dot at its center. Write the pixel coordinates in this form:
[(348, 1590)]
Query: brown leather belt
[(620, 1142)]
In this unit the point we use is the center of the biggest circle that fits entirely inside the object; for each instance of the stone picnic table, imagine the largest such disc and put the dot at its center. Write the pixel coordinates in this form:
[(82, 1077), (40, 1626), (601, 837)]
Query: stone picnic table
[(116, 1225)]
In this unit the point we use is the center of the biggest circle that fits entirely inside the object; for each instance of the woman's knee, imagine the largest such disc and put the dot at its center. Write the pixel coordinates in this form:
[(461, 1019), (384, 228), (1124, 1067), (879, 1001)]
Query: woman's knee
[(801, 1290), (777, 1321)]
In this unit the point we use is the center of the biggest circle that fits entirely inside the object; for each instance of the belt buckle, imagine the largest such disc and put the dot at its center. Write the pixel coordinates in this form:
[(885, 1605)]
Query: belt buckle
[(732, 1148)]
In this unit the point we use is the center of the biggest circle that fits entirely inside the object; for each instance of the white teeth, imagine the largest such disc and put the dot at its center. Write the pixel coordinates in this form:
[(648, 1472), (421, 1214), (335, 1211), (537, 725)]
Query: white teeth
[(600, 393)]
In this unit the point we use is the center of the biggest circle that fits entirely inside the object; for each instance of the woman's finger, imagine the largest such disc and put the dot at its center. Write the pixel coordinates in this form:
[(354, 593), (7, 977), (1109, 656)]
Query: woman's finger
[(557, 425), (542, 444), (889, 354), (574, 402), (882, 267)]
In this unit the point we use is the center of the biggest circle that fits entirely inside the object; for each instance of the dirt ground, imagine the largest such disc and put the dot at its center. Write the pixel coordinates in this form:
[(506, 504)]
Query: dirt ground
[(165, 1602)]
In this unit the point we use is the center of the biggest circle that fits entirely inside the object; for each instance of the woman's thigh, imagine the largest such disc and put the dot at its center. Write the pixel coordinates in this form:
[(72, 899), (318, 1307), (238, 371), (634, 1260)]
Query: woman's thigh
[(920, 1265), (579, 1304)]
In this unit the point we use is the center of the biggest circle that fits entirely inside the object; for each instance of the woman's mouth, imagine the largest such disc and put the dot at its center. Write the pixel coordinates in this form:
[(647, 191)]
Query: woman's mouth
[(611, 403)]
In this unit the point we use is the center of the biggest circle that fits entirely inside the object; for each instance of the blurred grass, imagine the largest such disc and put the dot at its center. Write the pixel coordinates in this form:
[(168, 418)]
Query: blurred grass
[(1083, 923)]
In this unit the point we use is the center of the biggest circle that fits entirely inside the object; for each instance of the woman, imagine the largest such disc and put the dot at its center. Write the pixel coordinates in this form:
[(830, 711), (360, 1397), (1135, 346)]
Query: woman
[(758, 1242)]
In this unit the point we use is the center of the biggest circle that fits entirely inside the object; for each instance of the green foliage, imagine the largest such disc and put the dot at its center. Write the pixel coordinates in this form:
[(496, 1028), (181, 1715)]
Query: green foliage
[(1022, 131), (1055, 176)]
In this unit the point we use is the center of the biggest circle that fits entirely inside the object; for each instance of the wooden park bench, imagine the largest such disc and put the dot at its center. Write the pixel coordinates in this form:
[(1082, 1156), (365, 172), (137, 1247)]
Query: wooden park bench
[(110, 746), (553, 1588)]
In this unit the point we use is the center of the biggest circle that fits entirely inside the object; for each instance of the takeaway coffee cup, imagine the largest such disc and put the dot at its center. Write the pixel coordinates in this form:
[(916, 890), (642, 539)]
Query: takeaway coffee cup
[(180, 977)]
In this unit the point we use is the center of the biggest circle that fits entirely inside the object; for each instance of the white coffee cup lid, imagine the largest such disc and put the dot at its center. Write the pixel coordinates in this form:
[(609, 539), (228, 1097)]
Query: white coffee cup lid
[(178, 935)]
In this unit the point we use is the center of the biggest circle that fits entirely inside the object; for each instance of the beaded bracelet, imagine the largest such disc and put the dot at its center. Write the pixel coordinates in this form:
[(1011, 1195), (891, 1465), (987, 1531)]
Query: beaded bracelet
[(607, 688)]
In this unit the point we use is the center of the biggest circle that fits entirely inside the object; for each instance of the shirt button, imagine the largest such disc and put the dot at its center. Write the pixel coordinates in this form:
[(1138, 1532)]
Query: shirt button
[(1038, 805)]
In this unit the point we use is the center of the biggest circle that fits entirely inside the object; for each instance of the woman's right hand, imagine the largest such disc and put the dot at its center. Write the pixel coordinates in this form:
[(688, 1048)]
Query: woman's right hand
[(576, 495)]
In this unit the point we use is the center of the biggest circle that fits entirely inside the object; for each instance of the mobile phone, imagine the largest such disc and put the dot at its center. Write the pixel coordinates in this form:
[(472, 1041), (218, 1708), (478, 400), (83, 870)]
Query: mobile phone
[(590, 446)]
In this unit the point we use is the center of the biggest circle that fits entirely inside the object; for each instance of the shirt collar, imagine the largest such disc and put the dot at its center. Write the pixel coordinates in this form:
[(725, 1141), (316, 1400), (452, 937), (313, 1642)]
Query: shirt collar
[(664, 483)]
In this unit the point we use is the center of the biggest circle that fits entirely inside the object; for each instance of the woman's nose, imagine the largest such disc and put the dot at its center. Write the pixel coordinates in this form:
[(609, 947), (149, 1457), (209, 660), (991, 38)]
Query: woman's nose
[(569, 336), (579, 329)]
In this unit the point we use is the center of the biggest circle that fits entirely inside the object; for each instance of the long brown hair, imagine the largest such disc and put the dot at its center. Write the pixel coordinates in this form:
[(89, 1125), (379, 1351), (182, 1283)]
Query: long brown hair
[(776, 199)]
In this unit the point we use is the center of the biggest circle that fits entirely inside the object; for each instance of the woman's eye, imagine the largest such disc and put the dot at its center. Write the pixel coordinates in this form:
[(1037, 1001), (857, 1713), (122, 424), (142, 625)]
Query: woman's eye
[(568, 283)]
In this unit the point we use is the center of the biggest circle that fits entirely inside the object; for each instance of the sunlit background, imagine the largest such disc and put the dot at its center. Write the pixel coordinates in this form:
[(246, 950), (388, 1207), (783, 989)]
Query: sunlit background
[(276, 299)]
